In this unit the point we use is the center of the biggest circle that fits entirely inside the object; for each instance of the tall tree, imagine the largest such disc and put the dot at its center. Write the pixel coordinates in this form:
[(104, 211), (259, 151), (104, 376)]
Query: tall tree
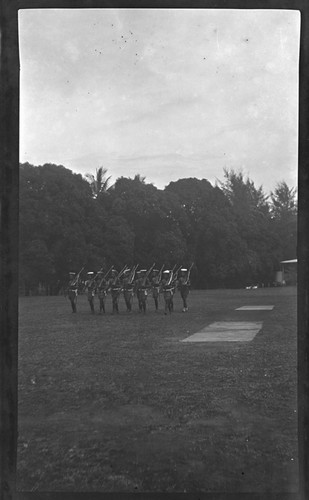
[(251, 211), (140, 178), (119, 242), (283, 200), (284, 219), (56, 218), (151, 215), (99, 182), (193, 196)]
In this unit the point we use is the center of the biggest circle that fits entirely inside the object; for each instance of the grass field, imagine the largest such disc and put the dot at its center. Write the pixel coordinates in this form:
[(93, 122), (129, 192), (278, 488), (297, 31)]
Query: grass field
[(118, 403)]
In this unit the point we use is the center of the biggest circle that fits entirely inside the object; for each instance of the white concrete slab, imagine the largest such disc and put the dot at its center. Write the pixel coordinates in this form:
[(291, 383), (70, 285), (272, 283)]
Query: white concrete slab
[(232, 325), (255, 308), (227, 331)]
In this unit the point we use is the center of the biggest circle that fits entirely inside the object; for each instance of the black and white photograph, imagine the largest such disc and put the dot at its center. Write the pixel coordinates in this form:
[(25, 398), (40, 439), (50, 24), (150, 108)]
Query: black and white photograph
[(157, 279)]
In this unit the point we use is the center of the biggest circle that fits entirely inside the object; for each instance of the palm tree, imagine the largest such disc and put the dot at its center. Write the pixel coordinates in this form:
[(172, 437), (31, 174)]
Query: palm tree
[(99, 183), (139, 178)]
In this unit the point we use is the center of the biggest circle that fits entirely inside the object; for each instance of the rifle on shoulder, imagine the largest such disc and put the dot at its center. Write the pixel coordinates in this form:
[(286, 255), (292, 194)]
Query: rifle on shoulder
[(159, 277), (132, 274), (188, 275), (148, 272), (173, 276), (150, 269), (75, 280), (176, 273), (120, 273), (105, 276)]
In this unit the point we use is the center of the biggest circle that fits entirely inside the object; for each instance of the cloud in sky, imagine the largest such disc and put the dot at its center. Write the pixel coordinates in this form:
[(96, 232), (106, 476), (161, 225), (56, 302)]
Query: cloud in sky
[(165, 93)]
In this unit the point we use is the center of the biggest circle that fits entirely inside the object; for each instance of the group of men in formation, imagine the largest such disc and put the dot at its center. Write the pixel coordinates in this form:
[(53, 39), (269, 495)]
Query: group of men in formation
[(130, 283)]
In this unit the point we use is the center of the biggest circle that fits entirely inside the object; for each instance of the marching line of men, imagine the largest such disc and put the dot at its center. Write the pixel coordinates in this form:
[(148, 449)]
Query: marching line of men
[(131, 282)]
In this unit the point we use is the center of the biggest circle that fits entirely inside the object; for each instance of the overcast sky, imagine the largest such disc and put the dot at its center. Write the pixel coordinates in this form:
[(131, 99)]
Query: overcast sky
[(166, 93)]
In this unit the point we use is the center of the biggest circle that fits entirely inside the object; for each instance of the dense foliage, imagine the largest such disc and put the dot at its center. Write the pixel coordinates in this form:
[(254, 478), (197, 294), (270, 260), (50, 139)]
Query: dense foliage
[(233, 232)]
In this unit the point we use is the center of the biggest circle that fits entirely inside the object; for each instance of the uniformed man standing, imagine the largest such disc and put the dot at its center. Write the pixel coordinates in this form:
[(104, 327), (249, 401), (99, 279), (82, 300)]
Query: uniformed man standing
[(142, 284), (168, 291), (73, 290), (91, 288), (115, 288), (128, 288), (137, 284), (155, 284), (102, 291), (184, 287)]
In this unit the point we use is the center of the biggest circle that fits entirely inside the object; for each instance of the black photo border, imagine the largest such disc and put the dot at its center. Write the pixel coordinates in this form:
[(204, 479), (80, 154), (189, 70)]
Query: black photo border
[(9, 205)]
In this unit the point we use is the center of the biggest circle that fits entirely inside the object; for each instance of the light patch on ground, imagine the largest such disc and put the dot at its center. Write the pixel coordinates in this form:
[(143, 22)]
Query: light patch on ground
[(227, 331), (255, 308)]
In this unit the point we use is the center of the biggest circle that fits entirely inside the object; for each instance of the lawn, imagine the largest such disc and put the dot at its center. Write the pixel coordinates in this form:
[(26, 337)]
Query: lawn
[(117, 403)]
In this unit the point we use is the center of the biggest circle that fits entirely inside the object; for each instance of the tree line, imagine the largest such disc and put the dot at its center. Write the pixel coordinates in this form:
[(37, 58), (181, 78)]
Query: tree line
[(233, 232)]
